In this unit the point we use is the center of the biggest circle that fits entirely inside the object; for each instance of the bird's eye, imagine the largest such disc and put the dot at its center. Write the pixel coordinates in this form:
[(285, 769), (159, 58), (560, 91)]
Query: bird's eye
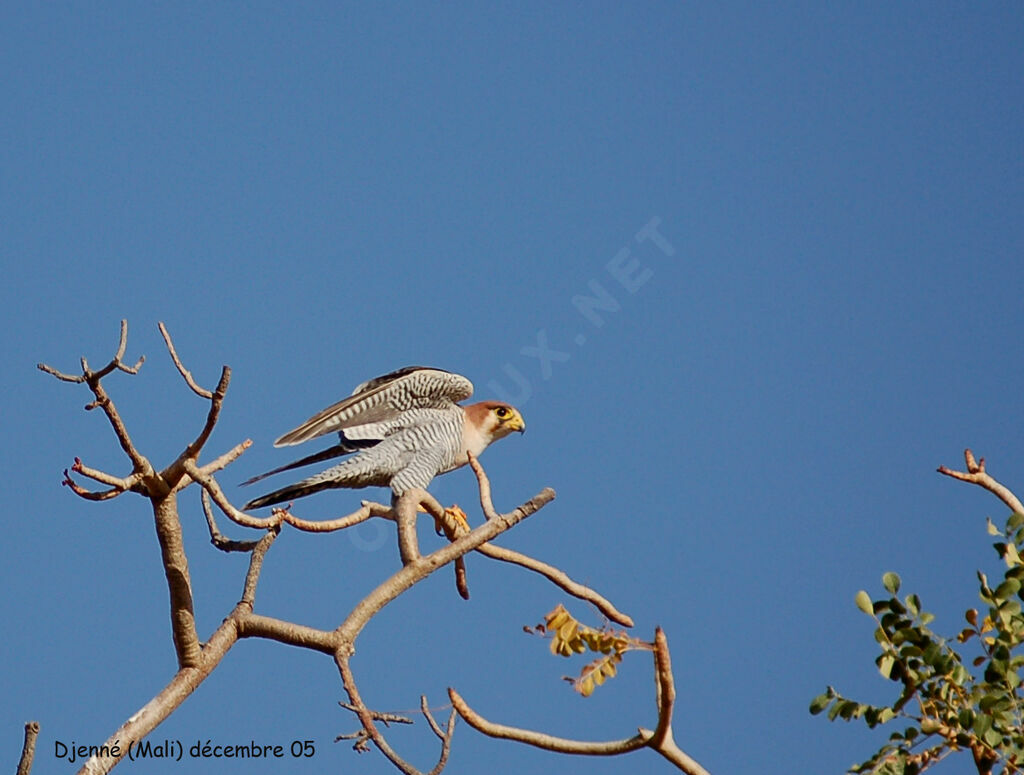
[(501, 411)]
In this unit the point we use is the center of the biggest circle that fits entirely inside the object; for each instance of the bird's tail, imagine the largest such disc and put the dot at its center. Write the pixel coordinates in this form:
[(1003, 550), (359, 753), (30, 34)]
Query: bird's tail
[(290, 493), (345, 448)]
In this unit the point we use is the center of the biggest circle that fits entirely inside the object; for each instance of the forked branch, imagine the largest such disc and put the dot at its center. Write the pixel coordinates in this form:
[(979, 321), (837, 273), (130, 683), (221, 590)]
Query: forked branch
[(976, 474)]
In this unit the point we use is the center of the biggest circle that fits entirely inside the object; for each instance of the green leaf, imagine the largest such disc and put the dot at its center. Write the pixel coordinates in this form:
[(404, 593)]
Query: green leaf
[(1011, 556), (1007, 589), (1016, 520), (885, 664), (966, 718), (993, 737), (982, 724), (863, 601), (819, 703), (891, 581)]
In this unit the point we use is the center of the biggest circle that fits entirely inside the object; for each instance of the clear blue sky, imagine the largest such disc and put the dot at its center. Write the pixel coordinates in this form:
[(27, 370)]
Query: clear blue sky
[(316, 194)]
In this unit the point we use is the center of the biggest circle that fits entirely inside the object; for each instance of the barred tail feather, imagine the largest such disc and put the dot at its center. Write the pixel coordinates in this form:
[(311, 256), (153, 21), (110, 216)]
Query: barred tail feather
[(345, 448), (290, 493)]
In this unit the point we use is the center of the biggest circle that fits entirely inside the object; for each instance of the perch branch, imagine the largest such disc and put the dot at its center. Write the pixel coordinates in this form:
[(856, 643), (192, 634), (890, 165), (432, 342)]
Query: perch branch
[(424, 566), (405, 516), (411, 573), (279, 516), (976, 474)]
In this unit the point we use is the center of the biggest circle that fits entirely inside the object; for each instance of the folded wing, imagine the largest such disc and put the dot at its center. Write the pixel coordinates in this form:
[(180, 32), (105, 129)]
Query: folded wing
[(376, 406)]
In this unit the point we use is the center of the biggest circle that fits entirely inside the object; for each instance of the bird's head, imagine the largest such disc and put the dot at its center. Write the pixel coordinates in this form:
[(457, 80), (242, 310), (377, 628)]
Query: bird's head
[(495, 419)]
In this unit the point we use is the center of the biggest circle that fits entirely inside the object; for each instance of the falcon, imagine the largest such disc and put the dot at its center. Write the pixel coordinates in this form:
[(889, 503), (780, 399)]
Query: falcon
[(403, 428)]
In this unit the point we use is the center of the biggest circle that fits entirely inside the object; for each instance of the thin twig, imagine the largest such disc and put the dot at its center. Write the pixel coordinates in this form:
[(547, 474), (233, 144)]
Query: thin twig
[(378, 715), (185, 373), (540, 739), (228, 457), (120, 483), (486, 505), (217, 538), (89, 495), (976, 474), (425, 710), (558, 577)]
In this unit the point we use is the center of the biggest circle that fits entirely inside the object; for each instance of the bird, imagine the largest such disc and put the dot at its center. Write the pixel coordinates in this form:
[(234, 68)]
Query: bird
[(402, 428)]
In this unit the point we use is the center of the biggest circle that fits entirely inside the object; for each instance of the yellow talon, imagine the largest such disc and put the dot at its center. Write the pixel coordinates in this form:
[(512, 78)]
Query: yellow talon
[(456, 515)]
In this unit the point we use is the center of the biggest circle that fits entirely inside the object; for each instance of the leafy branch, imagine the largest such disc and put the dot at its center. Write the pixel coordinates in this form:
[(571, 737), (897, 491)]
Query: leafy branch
[(945, 705)]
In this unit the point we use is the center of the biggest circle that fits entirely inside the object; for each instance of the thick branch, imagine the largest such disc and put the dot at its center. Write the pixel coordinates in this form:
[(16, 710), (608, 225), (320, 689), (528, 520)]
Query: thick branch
[(185, 681), (405, 516), (289, 633), (976, 474), (172, 551), (28, 749)]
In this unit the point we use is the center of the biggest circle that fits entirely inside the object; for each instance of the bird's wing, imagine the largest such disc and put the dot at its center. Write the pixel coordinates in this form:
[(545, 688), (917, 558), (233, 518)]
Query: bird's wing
[(377, 404)]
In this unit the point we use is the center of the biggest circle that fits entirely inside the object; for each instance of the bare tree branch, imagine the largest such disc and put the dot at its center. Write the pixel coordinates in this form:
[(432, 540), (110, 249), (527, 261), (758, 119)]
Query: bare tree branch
[(197, 660), (92, 378), (425, 710), (217, 538), (280, 516), (89, 495), (185, 373), (540, 739), (405, 516), (179, 584), (228, 457), (486, 505), (976, 474), (558, 577), (256, 565), (28, 749), (659, 740)]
